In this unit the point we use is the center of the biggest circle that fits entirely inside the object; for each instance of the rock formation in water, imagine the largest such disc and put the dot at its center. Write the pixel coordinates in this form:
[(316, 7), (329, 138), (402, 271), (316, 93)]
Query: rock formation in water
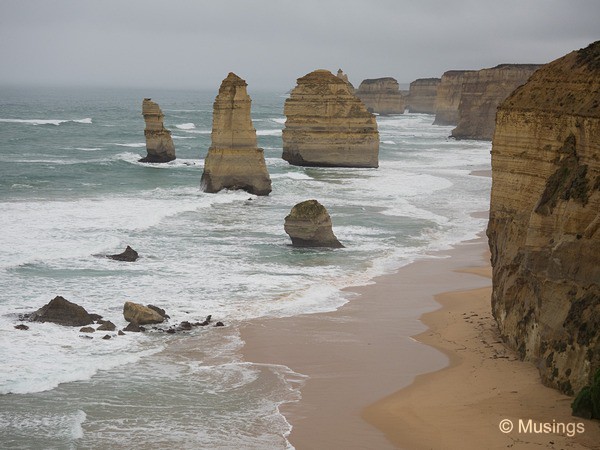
[(422, 95), (381, 95), (63, 312), (448, 96), (342, 76), (309, 225), (128, 255), (544, 228), (327, 125), (482, 92), (159, 143), (234, 161), (140, 314)]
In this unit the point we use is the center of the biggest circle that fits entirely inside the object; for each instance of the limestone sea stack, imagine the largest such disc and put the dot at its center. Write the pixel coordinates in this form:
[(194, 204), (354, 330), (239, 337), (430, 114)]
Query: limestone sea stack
[(381, 95), (327, 126), (448, 97), (422, 94), (159, 143), (482, 92), (309, 225), (342, 76), (544, 228), (234, 161)]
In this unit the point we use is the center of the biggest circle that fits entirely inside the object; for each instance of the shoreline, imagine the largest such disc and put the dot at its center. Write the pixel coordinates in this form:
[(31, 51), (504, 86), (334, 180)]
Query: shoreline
[(413, 361), (362, 352)]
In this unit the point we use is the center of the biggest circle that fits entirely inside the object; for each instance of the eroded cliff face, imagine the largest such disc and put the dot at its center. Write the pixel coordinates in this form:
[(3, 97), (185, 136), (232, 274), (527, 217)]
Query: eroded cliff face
[(342, 76), (159, 144), (381, 95), (448, 96), (482, 92), (326, 125), (234, 161), (544, 229), (422, 95)]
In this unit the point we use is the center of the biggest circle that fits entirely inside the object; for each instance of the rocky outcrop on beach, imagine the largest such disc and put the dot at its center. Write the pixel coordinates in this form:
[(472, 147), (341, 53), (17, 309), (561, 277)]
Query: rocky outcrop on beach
[(128, 255), (327, 125), (422, 95), (481, 94), (159, 143), (544, 228), (140, 314), (342, 76), (63, 312), (234, 161), (309, 225), (381, 95), (448, 96)]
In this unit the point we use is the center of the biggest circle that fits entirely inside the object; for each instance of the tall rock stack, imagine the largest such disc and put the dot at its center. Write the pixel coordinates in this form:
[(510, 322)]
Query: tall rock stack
[(159, 144), (544, 228), (448, 97), (482, 93), (234, 161), (327, 125), (381, 95), (422, 94)]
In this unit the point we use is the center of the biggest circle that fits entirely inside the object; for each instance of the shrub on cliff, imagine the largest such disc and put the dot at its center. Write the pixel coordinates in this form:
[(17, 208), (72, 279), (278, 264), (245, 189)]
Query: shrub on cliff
[(587, 402)]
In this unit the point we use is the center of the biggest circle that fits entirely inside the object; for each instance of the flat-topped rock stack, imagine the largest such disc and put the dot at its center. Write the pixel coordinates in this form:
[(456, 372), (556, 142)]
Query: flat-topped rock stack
[(159, 143), (482, 92), (234, 160), (448, 96), (326, 125), (381, 95), (422, 95), (544, 228)]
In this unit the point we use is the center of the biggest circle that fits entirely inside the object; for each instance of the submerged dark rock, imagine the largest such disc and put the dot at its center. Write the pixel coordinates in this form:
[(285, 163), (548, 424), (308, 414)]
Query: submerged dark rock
[(63, 312), (21, 327), (129, 255), (107, 326), (134, 327), (86, 330)]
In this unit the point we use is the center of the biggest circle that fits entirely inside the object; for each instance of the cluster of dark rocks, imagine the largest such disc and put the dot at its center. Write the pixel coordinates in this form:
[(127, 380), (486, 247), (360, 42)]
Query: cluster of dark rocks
[(63, 312)]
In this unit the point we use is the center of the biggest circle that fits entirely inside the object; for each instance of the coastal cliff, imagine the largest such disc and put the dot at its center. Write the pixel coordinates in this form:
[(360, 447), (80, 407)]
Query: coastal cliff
[(482, 93), (422, 94), (326, 125), (234, 161), (448, 96), (342, 76), (381, 95), (159, 143), (544, 228)]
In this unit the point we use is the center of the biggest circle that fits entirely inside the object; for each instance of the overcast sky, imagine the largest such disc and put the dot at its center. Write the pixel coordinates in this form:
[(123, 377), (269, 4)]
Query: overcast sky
[(270, 43)]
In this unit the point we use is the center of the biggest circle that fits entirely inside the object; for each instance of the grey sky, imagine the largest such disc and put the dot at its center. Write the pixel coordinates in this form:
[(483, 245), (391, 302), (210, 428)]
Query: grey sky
[(270, 43)]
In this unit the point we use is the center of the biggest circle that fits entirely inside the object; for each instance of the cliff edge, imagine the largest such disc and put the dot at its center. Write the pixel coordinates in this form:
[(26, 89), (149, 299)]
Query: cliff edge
[(544, 228)]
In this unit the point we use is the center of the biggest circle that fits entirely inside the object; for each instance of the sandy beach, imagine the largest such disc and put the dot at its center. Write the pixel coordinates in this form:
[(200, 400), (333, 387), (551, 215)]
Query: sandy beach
[(362, 360)]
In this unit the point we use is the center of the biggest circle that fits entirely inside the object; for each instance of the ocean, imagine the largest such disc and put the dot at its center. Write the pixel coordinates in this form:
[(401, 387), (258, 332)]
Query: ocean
[(72, 190)]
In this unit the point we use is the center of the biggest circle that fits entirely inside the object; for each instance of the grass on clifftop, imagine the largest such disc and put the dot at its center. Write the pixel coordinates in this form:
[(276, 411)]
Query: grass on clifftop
[(308, 209), (590, 56)]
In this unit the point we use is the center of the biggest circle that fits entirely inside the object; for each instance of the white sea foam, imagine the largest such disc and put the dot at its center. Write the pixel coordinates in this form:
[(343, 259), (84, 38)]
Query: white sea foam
[(47, 121), (186, 126), (132, 145), (268, 132)]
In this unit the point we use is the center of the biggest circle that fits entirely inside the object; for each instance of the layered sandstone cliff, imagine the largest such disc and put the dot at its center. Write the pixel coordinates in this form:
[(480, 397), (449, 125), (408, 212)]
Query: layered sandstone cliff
[(544, 229), (482, 93), (381, 95), (234, 161), (448, 96), (159, 143), (422, 95), (326, 125)]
